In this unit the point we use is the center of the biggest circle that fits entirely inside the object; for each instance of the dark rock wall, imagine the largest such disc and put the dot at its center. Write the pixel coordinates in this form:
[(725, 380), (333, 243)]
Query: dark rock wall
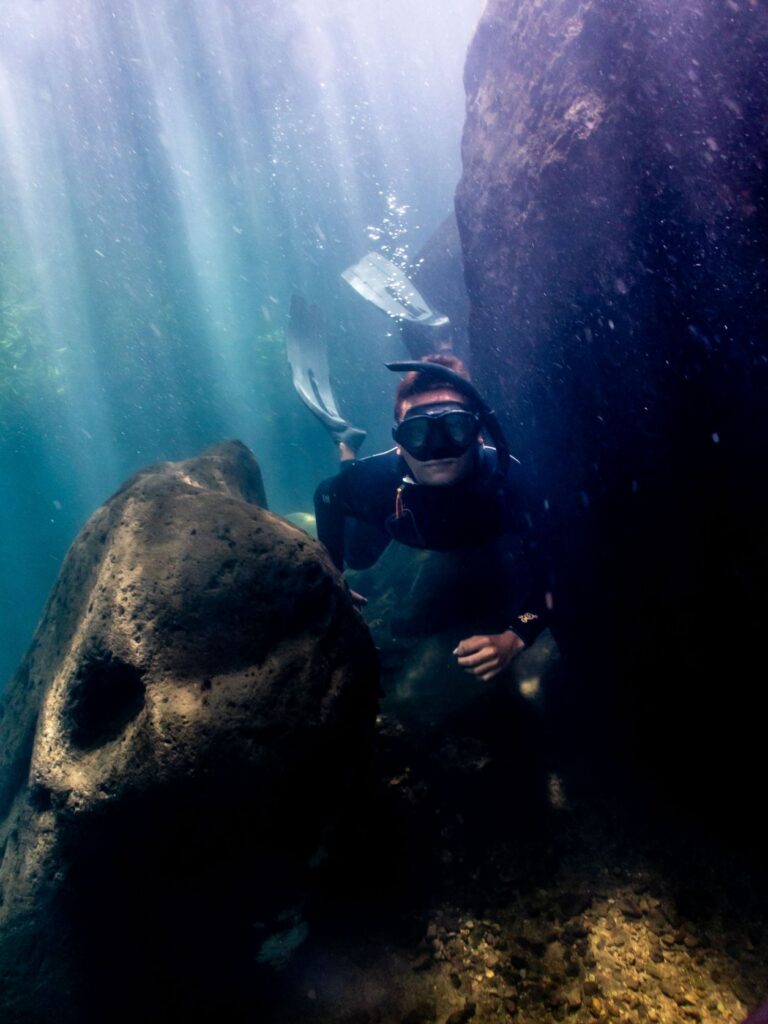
[(614, 220), (439, 276)]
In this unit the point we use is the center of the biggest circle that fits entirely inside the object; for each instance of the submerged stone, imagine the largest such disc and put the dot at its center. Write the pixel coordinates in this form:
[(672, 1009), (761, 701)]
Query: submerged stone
[(196, 701)]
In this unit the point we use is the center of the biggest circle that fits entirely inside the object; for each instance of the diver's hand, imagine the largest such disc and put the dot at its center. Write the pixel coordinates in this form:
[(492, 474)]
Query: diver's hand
[(349, 441), (486, 656)]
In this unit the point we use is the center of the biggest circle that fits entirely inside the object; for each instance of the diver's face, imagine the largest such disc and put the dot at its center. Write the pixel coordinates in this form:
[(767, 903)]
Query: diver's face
[(444, 471)]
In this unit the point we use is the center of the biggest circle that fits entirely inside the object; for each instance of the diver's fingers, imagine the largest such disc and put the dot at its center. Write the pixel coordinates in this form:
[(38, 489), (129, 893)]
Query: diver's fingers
[(472, 644), (485, 654), (487, 666)]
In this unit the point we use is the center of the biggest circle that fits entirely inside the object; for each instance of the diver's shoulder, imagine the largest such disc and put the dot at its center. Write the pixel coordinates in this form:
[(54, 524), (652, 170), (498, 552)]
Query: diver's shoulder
[(390, 455), (379, 462), (380, 466)]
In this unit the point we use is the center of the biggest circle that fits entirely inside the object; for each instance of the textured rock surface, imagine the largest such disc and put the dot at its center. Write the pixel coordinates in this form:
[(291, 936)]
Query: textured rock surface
[(614, 218), (439, 276), (197, 697)]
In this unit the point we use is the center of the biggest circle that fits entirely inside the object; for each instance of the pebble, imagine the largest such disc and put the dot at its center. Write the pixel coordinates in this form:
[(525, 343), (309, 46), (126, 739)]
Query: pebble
[(656, 920), (573, 998), (629, 906), (575, 930), (669, 989), (673, 916)]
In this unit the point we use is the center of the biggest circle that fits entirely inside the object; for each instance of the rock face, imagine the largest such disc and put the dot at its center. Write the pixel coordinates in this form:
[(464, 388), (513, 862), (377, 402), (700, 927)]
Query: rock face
[(439, 276), (613, 216), (196, 700)]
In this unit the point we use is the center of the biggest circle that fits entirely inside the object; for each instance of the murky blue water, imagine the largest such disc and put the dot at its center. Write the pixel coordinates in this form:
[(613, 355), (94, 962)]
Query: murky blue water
[(169, 174)]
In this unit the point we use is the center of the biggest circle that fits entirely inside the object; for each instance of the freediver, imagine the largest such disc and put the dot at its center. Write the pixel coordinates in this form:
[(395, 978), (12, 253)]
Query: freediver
[(441, 488)]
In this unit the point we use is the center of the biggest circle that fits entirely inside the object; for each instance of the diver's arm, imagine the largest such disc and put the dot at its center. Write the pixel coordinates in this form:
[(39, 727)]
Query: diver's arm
[(349, 540), (329, 517), (528, 625), (485, 656), (529, 616)]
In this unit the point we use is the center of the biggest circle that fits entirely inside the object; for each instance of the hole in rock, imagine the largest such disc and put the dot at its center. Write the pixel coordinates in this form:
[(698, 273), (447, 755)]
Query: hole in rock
[(106, 694)]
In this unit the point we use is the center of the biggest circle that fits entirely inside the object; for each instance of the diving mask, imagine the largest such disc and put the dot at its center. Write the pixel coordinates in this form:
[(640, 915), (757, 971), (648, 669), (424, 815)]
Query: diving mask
[(440, 431)]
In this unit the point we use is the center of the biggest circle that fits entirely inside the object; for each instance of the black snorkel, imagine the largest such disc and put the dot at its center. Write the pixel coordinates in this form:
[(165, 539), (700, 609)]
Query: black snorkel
[(464, 387)]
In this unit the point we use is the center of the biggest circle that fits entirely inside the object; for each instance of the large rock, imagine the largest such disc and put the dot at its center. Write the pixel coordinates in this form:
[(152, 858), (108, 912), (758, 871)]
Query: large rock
[(439, 277), (197, 698), (614, 215)]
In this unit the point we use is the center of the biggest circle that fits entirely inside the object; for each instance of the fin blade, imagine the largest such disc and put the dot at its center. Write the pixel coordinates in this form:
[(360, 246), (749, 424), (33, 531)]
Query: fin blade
[(384, 284)]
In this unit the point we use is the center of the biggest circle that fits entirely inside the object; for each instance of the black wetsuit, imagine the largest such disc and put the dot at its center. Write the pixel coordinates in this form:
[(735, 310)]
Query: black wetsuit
[(494, 569)]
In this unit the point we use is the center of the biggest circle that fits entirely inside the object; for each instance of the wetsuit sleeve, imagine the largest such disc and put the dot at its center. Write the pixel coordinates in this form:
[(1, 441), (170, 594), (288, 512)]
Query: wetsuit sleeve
[(329, 518), (533, 620), (342, 526), (532, 615)]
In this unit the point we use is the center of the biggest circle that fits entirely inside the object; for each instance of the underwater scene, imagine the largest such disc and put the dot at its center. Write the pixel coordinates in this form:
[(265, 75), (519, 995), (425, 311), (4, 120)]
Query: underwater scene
[(383, 499)]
